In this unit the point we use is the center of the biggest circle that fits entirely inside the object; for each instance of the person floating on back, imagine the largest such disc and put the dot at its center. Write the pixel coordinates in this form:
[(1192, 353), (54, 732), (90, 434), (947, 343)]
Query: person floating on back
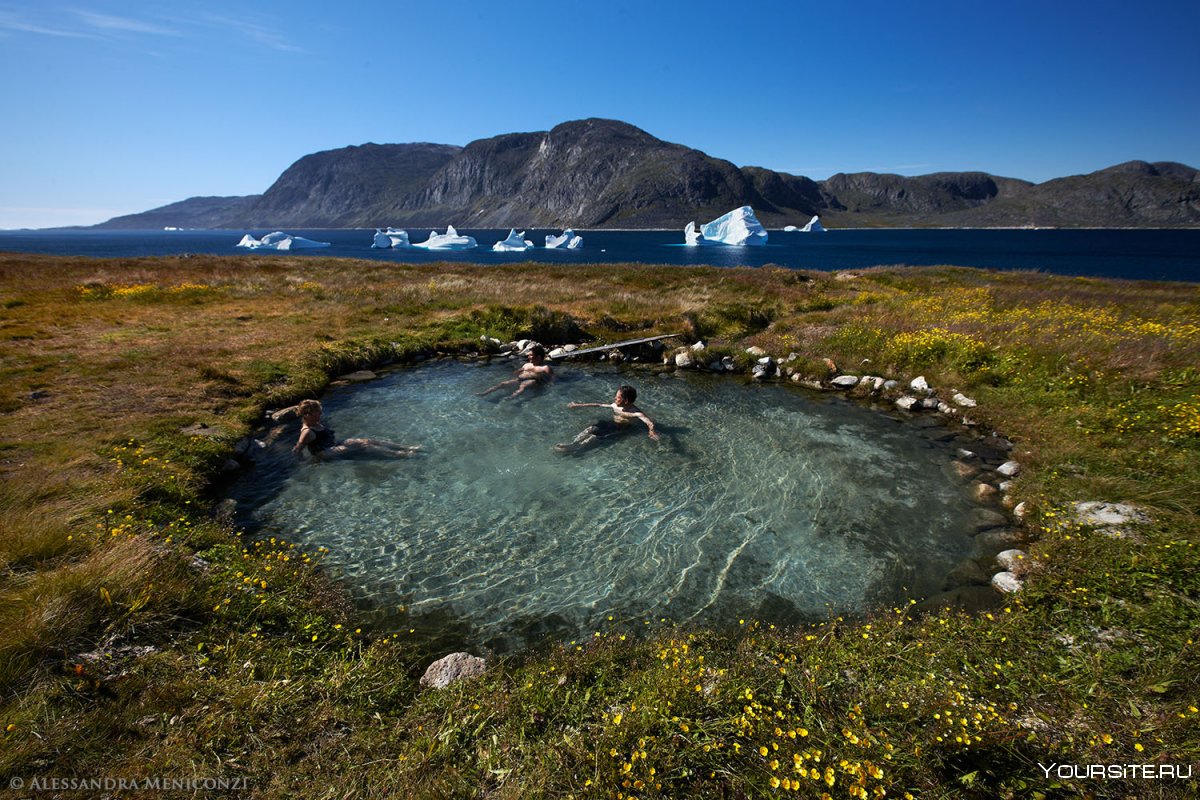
[(532, 373), (321, 443), (624, 413)]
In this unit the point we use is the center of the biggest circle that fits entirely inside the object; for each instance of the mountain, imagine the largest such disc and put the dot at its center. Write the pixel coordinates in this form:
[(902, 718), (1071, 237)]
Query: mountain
[(195, 212), (598, 173)]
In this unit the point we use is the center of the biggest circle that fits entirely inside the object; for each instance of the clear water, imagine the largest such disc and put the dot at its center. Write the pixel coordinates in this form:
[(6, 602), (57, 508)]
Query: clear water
[(758, 502), (1142, 254)]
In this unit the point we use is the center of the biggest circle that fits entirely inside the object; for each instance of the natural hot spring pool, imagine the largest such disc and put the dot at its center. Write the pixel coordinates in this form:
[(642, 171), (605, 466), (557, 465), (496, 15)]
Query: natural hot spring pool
[(758, 502)]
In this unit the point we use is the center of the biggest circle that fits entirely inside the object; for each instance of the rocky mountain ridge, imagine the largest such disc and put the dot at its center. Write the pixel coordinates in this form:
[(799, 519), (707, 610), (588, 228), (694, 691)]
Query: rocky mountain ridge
[(598, 173)]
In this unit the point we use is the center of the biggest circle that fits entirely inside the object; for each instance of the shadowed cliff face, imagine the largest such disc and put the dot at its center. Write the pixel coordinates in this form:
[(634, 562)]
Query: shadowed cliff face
[(603, 173)]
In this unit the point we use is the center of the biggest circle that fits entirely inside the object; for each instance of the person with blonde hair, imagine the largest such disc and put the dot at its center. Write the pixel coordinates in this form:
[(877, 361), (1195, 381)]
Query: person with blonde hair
[(321, 443)]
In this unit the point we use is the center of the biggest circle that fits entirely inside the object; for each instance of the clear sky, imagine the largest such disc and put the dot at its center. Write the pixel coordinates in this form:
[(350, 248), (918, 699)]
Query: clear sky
[(113, 107)]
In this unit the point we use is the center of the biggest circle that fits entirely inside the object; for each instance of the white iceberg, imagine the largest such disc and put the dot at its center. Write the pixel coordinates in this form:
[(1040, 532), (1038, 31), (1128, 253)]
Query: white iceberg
[(279, 241), (814, 226), (568, 241), (515, 243), (450, 240), (790, 229), (738, 227), (692, 236), (392, 237)]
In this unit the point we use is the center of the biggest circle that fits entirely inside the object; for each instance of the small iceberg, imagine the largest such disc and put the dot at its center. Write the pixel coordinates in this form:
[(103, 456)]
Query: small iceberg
[(515, 243), (738, 227), (814, 226), (568, 241), (390, 238), (279, 241), (450, 240)]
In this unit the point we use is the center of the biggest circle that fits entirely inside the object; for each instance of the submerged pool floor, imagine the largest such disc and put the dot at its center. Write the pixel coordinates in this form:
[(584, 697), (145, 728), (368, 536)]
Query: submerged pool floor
[(758, 502)]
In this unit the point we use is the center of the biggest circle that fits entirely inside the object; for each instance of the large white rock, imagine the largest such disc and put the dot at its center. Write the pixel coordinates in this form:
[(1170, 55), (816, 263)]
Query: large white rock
[(451, 669), (739, 227), (567, 241), (279, 241), (450, 240), (515, 243), (392, 237), (814, 226)]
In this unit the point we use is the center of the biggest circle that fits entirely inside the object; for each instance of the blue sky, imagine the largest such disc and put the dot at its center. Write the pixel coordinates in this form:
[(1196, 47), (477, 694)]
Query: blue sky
[(117, 107)]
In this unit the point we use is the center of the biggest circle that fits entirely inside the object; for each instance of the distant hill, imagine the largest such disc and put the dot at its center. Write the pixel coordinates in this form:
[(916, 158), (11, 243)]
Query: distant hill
[(598, 173)]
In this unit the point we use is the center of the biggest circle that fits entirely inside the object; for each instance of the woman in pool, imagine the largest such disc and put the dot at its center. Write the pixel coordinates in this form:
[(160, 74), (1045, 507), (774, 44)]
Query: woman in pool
[(321, 443), (624, 413), (535, 371)]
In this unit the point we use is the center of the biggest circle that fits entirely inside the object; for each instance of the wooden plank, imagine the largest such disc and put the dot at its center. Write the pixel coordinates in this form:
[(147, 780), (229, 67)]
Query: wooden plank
[(630, 343)]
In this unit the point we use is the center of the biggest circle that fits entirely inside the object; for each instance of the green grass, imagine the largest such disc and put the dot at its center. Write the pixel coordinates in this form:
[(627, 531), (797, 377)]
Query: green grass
[(143, 636)]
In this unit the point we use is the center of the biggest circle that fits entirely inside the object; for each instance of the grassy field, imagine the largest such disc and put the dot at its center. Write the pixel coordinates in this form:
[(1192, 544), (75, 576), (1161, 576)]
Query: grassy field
[(141, 636)]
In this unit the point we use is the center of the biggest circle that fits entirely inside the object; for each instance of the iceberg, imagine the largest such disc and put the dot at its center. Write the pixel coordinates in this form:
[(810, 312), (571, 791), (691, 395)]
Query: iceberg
[(814, 226), (450, 240), (392, 237), (279, 241), (568, 241), (738, 227), (692, 237), (515, 243), (790, 229)]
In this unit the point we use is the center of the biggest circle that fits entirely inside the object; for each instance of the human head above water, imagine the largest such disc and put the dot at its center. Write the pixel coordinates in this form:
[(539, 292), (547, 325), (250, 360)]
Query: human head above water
[(307, 407), (626, 393), (537, 353)]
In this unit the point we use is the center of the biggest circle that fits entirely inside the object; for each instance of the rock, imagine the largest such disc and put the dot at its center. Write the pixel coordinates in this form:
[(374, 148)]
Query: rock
[(983, 491), (964, 453), (829, 365), (1012, 560), (964, 470), (729, 364), (684, 359), (967, 573), (997, 441), (944, 408), (1021, 510), (230, 465), (248, 447), (225, 510), (845, 381), (1009, 469), (983, 519), (930, 403), (198, 564), (716, 365), (698, 347), (359, 376), (570, 348), (1006, 486), (811, 384), (1006, 582), (964, 401), (906, 402), (877, 384), (452, 668), (762, 370), (989, 543), (890, 385), (1101, 515), (756, 351), (919, 384), (557, 352)]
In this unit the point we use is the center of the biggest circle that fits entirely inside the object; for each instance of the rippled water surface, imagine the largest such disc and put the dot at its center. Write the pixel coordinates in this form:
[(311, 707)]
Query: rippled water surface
[(758, 502)]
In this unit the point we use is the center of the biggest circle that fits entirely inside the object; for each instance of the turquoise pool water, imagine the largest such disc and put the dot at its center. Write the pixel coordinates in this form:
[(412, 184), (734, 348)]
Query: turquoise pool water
[(758, 502)]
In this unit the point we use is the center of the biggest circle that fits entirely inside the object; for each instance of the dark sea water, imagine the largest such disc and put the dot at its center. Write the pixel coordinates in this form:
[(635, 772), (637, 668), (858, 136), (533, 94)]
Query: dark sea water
[(1171, 255)]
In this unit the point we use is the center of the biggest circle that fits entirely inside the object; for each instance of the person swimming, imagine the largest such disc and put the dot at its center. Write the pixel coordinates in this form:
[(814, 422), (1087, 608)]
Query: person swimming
[(321, 442), (532, 373), (624, 414)]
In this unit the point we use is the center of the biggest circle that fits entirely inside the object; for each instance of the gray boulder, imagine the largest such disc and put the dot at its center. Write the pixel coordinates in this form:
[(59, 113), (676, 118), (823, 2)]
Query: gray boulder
[(845, 381), (452, 668), (1006, 582)]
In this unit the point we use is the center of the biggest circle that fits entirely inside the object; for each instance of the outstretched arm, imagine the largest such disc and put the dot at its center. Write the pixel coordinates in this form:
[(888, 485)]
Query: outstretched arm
[(573, 404), (649, 424)]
